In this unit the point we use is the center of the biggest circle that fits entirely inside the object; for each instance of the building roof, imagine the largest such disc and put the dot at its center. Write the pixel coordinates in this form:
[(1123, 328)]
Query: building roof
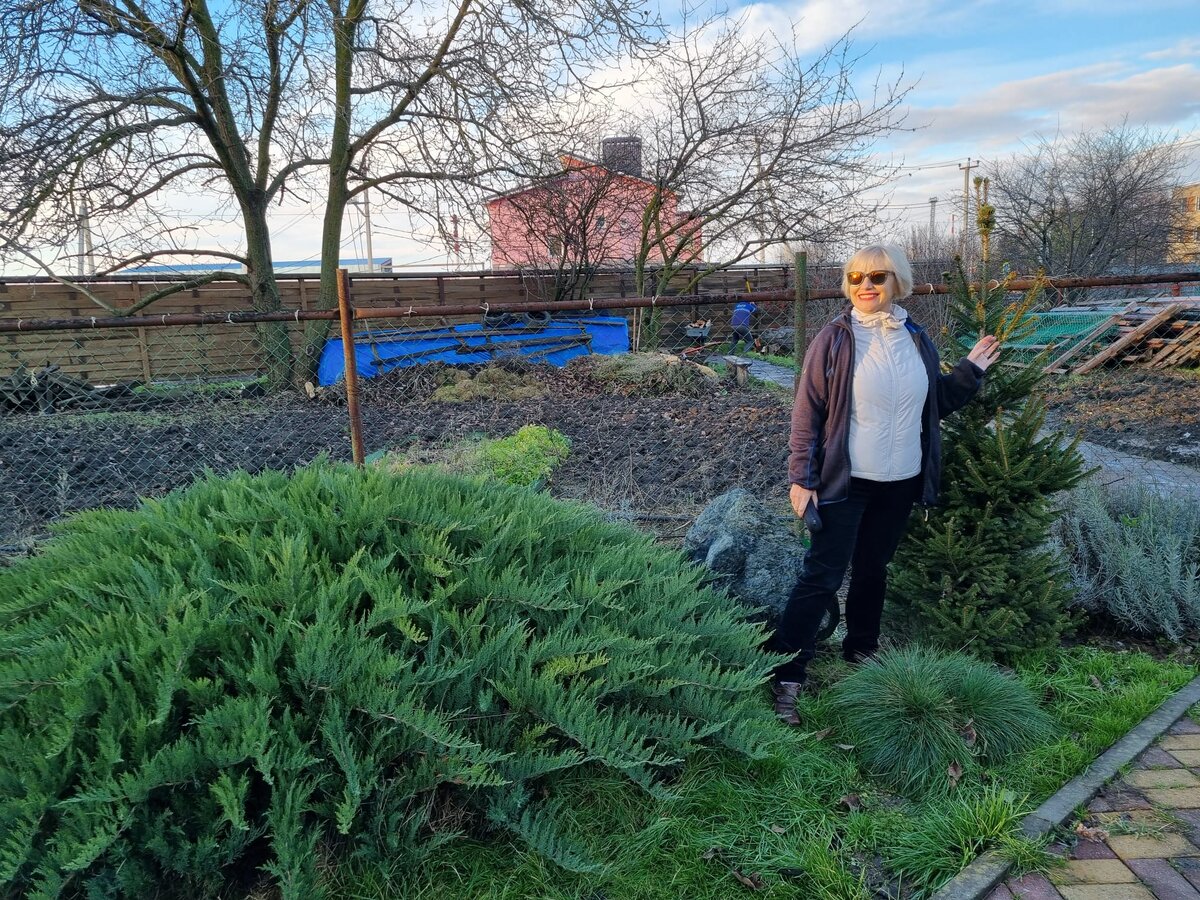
[(570, 161)]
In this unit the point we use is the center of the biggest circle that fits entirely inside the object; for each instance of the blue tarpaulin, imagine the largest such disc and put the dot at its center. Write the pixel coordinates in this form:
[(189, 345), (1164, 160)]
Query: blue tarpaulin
[(560, 340)]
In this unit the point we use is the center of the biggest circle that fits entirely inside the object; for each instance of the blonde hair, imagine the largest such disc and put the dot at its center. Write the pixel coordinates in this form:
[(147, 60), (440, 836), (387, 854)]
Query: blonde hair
[(879, 257)]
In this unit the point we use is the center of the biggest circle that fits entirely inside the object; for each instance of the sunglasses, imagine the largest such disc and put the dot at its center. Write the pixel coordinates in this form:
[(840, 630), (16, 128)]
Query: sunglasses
[(876, 278)]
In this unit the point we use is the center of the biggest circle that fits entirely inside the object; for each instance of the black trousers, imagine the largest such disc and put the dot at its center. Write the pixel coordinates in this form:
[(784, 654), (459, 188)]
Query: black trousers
[(862, 532), (741, 333)]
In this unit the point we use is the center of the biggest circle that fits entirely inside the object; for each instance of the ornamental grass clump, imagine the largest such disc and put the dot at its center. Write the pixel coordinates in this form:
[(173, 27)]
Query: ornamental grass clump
[(933, 849), (263, 671), (922, 720)]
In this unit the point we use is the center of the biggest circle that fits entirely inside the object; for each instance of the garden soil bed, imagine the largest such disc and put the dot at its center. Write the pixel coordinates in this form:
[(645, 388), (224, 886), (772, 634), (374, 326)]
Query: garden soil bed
[(659, 457), (1137, 411), (656, 459)]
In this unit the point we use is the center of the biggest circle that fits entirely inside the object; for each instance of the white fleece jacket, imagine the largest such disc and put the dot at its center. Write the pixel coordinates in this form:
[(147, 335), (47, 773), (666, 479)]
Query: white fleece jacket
[(887, 398)]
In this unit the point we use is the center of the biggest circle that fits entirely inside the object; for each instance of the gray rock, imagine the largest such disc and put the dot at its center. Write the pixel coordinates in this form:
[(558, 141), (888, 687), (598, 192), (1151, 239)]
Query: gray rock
[(756, 553), (777, 341)]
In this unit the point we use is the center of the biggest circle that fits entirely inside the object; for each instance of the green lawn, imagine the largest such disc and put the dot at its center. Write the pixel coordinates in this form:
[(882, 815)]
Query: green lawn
[(805, 823)]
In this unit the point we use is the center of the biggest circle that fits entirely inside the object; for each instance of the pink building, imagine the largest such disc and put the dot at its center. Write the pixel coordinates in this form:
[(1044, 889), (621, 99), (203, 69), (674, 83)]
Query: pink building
[(590, 215)]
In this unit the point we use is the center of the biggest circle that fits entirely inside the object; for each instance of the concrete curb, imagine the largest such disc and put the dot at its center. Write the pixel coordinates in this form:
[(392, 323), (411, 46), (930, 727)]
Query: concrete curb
[(976, 880)]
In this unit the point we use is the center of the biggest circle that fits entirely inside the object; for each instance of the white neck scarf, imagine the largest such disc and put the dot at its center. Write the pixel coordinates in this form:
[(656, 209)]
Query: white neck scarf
[(887, 319)]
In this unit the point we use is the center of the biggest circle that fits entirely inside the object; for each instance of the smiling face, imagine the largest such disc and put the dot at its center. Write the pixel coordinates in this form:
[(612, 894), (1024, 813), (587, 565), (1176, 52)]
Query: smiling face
[(895, 285), (869, 297)]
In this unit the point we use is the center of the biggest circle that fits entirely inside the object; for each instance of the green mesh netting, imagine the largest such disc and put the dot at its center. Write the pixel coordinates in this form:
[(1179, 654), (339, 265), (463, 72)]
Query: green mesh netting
[(1061, 330)]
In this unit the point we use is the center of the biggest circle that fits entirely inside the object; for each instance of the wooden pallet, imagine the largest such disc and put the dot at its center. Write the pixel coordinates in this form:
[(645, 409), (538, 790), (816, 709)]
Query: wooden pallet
[(1179, 350), (1130, 339)]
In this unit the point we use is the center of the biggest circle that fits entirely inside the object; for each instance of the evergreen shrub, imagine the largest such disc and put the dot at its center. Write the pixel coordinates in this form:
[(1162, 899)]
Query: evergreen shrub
[(978, 570), (261, 671), (1134, 557), (921, 719)]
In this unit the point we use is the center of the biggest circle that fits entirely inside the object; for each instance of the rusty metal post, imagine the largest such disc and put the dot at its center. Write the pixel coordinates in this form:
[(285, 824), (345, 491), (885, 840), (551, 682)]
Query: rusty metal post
[(346, 317), (800, 317)]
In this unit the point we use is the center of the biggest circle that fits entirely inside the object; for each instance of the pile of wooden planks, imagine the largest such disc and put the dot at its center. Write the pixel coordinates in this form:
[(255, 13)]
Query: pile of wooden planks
[(1153, 334)]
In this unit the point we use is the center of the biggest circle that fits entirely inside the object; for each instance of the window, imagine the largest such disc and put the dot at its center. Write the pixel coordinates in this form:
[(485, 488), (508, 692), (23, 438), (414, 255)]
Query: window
[(554, 247), (1189, 203), (599, 223)]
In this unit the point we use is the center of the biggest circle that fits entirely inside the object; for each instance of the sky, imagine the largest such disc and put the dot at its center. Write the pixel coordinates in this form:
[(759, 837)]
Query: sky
[(994, 77), (988, 77)]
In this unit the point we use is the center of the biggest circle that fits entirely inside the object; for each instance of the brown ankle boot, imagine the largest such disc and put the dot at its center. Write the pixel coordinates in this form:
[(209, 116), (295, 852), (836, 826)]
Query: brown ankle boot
[(785, 694)]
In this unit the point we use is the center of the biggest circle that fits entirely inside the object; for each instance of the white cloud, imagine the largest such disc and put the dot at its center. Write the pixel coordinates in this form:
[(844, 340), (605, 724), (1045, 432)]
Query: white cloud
[(1187, 48), (1001, 117), (819, 23)]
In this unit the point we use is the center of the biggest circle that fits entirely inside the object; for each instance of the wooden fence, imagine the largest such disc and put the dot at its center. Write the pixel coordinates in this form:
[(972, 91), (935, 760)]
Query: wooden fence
[(113, 355)]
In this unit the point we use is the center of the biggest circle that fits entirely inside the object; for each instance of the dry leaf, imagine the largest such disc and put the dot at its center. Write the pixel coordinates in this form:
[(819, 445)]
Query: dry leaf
[(969, 734), (779, 829), (822, 734), (1096, 835), (851, 801), (844, 746), (1095, 682), (955, 771), (753, 880)]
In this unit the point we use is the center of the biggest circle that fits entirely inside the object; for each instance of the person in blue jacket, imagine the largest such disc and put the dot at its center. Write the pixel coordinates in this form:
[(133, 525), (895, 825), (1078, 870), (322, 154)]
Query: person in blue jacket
[(865, 446), (739, 323)]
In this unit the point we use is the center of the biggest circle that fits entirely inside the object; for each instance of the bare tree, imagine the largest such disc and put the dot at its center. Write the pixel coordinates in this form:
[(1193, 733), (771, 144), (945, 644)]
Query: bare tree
[(1087, 204), (137, 107), (762, 145)]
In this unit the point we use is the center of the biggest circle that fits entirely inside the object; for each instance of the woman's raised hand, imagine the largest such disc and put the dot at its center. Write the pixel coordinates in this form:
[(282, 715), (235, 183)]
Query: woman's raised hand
[(985, 352)]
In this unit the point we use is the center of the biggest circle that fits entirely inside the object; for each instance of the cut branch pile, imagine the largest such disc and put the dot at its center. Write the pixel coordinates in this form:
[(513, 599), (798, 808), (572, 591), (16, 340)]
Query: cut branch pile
[(46, 390)]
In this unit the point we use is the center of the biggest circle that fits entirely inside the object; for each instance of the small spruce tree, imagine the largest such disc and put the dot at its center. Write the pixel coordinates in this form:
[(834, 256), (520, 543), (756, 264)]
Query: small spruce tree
[(977, 571)]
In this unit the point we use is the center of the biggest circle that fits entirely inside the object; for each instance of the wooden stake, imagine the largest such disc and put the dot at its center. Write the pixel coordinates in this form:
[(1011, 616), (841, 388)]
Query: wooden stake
[(346, 317)]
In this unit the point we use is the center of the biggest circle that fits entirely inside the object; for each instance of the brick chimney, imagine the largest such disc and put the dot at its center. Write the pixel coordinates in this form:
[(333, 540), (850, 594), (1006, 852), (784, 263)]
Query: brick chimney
[(622, 154)]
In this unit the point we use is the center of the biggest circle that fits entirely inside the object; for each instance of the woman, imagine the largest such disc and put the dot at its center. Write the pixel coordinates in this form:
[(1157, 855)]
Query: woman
[(865, 446)]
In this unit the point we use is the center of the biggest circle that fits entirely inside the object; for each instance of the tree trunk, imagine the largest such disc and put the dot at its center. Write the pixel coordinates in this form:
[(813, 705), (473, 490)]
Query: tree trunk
[(338, 194), (272, 337)]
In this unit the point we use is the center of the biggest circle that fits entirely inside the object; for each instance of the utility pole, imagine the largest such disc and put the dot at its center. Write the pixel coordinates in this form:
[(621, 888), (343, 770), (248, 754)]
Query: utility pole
[(932, 216), (966, 232), (87, 255), (366, 200)]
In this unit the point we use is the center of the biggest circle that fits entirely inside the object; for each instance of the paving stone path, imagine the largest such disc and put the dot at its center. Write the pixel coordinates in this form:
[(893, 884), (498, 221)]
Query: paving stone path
[(1140, 839)]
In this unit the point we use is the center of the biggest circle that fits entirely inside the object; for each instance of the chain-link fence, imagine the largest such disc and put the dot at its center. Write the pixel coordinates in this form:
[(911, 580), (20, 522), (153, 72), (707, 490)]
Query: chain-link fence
[(101, 416)]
